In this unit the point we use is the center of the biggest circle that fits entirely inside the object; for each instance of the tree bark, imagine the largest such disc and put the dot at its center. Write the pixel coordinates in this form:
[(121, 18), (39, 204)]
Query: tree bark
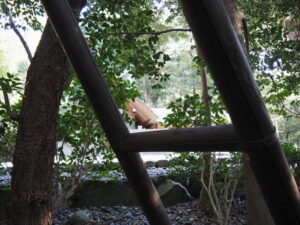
[(36, 138), (47, 76), (257, 210)]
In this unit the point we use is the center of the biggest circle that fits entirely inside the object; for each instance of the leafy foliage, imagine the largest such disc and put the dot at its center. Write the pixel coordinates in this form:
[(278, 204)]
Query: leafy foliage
[(293, 157), (110, 30), (289, 130), (274, 54), (190, 111), (11, 86), (25, 13)]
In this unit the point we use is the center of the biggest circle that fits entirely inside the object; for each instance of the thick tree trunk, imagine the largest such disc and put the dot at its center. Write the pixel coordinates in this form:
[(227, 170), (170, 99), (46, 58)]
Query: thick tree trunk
[(36, 138), (257, 210)]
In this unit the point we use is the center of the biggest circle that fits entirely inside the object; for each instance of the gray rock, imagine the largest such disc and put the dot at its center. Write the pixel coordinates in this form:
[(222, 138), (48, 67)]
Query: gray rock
[(99, 193), (161, 163), (190, 181), (5, 180), (149, 164), (78, 218), (172, 193), (158, 180)]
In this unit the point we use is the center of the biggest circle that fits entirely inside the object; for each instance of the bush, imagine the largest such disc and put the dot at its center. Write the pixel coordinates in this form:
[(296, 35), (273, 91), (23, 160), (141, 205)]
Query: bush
[(293, 157)]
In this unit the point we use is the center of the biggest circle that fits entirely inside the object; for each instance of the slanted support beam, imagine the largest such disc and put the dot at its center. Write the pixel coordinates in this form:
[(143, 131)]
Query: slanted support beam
[(231, 72), (202, 139), (72, 40)]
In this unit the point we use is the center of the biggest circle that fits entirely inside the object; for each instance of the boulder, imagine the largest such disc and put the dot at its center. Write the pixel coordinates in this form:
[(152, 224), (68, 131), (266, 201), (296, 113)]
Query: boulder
[(149, 164), (172, 193), (78, 218), (158, 180), (190, 181), (161, 163), (100, 193)]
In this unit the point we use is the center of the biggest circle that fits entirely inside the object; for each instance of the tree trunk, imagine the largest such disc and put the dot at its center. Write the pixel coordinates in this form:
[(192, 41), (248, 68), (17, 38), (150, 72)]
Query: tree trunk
[(47, 77), (257, 210), (204, 201), (36, 138), (205, 97)]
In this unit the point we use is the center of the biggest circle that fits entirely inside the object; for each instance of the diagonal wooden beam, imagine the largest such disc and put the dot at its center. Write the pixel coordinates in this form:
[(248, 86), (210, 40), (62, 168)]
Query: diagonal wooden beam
[(72, 40), (87, 71), (202, 139), (232, 74)]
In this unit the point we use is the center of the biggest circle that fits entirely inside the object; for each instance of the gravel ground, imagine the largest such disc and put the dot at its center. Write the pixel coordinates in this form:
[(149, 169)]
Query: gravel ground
[(181, 214)]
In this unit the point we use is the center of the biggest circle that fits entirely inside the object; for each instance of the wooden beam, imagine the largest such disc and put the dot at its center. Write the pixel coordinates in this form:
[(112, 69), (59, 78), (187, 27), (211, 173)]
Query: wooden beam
[(202, 139), (72, 40), (92, 81), (212, 29)]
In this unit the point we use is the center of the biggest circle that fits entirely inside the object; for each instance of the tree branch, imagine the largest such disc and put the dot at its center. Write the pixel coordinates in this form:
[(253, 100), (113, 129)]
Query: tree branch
[(150, 32), (11, 115), (17, 32), (211, 199), (246, 35)]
